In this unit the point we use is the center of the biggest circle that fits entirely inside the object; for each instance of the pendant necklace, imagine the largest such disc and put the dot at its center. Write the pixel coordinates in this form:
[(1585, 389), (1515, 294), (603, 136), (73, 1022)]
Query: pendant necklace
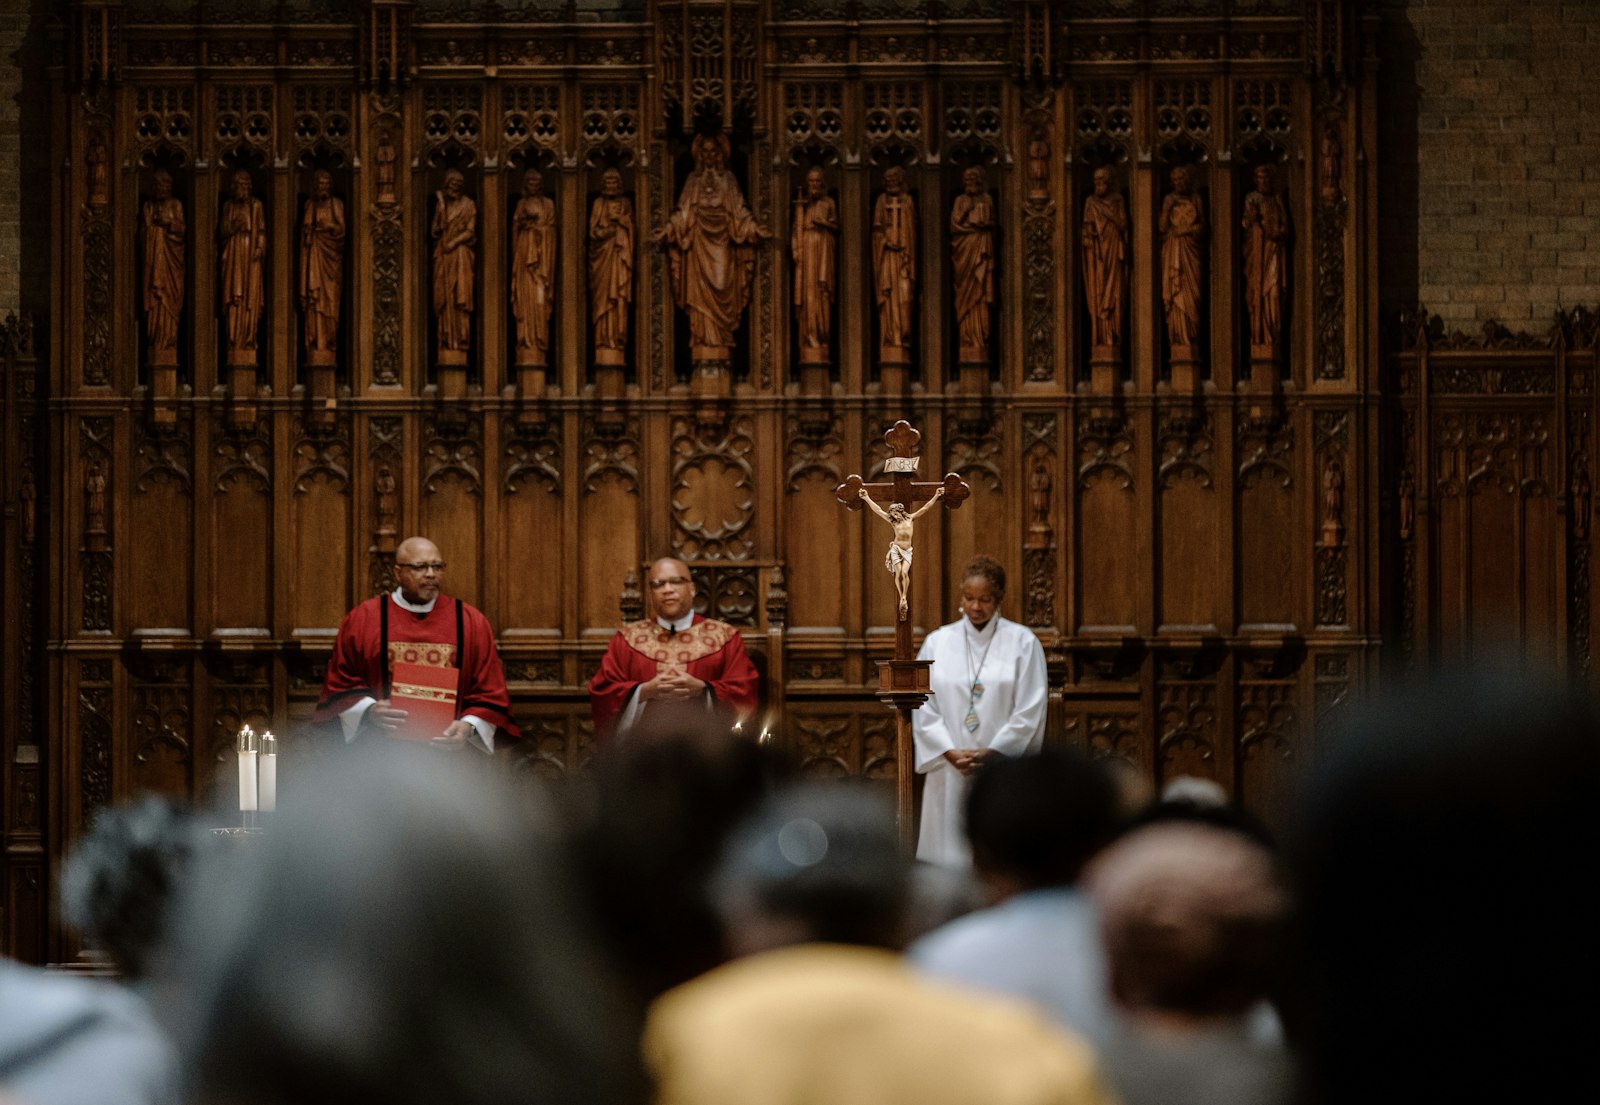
[(975, 691)]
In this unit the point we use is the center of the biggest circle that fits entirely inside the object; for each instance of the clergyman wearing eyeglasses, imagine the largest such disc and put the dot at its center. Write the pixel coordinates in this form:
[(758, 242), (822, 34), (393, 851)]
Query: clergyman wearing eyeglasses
[(677, 656), (418, 665)]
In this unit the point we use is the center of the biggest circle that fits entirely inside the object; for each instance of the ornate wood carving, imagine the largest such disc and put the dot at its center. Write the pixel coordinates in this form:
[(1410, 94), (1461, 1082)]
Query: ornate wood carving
[(713, 490), (613, 456), (1331, 436), (1039, 547)]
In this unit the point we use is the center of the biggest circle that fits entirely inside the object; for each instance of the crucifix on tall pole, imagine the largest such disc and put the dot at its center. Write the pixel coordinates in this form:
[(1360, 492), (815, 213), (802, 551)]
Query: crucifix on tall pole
[(902, 681)]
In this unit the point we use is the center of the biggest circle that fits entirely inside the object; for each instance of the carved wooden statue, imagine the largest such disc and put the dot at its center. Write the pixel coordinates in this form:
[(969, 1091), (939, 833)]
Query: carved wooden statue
[(384, 486), (1330, 164), (533, 270), (386, 158), (455, 267), (1182, 227), (894, 265), (1266, 263), (814, 244), (1332, 504), (164, 231), (711, 239), (973, 261), (95, 157), (322, 235), (1039, 164), (1105, 264), (611, 233), (898, 559), (242, 233), (94, 501)]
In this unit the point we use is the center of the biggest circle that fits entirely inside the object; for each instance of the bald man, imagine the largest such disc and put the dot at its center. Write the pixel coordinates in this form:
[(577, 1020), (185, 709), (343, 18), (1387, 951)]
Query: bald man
[(676, 657), (417, 625)]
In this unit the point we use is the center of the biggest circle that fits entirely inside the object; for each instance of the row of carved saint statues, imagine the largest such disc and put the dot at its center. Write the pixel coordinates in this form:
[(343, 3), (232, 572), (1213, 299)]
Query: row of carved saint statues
[(712, 240)]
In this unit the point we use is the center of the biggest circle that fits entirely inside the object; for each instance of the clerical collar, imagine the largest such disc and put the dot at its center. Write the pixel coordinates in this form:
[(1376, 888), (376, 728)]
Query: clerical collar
[(988, 626), (678, 626), (414, 607)]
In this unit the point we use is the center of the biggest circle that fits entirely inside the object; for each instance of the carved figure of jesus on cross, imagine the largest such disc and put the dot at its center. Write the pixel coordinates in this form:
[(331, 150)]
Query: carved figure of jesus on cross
[(901, 493)]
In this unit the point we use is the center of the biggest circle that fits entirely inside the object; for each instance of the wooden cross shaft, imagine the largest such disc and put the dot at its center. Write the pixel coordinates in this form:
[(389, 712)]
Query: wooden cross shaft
[(903, 683)]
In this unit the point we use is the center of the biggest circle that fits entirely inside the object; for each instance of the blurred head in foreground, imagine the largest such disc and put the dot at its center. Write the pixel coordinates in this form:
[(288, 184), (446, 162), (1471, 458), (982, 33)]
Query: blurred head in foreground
[(1444, 863), (404, 933), (122, 877), (1191, 917), (818, 863), (1035, 820), (650, 818)]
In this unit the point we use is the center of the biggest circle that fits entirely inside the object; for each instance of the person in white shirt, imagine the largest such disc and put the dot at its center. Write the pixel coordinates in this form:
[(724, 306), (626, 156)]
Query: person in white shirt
[(988, 700)]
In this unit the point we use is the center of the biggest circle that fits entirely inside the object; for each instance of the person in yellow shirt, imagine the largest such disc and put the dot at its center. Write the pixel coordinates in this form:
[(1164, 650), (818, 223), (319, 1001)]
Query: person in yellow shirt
[(818, 1006)]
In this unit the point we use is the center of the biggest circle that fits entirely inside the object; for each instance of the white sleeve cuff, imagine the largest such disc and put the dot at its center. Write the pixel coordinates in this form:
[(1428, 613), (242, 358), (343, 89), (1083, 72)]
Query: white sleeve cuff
[(483, 729), (350, 720)]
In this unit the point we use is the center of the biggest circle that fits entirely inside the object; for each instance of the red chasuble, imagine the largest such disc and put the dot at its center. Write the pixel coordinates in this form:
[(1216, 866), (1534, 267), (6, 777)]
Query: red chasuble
[(708, 650), (356, 668)]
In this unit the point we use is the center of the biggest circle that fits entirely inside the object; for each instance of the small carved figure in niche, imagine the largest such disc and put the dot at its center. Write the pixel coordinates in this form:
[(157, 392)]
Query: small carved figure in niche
[(898, 559), (1580, 502), (242, 232), (1333, 504), (611, 231), (1408, 504), (94, 501), (711, 240), (1330, 164), (1039, 164), (455, 267), (1182, 226), (1039, 492), (1266, 268), (814, 244), (1105, 264), (894, 265), (386, 158), (95, 157), (384, 484), (972, 259), (28, 496), (322, 232), (164, 234), (533, 269)]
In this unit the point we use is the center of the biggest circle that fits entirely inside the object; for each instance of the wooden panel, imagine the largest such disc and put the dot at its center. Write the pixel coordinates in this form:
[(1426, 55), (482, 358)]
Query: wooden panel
[(816, 583), (321, 528)]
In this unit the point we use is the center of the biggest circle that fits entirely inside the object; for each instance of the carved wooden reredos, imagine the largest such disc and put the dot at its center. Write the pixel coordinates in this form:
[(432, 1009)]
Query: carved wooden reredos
[(1164, 389)]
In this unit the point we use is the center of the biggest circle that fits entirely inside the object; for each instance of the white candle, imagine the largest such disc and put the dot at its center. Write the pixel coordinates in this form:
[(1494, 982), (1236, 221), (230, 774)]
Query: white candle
[(267, 792), (247, 769)]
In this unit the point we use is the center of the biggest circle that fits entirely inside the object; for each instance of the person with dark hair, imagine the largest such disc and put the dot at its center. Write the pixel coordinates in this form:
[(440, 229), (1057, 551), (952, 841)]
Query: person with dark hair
[(1442, 867), (818, 1007), (649, 820), (988, 700), (1033, 823), (123, 875), (406, 933), (1191, 917)]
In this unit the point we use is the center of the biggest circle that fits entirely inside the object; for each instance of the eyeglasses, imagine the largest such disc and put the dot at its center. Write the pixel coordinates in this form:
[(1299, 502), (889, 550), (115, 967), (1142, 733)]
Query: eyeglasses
[(677, 581), (434, 566)]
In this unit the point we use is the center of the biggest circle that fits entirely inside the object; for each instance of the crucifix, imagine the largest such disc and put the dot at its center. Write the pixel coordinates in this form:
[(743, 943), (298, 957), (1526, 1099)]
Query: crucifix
[(903, 680)]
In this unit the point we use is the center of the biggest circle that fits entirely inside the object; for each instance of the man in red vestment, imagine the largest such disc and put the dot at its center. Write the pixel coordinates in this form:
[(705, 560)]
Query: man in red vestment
[(677, 656), (415, 624)]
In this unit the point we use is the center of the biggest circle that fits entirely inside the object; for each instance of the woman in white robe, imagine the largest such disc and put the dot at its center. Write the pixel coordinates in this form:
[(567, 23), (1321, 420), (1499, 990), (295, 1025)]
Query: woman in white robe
[(988, 700)]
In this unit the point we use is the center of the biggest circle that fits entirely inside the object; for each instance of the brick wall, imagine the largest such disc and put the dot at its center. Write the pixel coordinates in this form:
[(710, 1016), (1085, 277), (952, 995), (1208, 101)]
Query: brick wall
[(1491, 158)]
